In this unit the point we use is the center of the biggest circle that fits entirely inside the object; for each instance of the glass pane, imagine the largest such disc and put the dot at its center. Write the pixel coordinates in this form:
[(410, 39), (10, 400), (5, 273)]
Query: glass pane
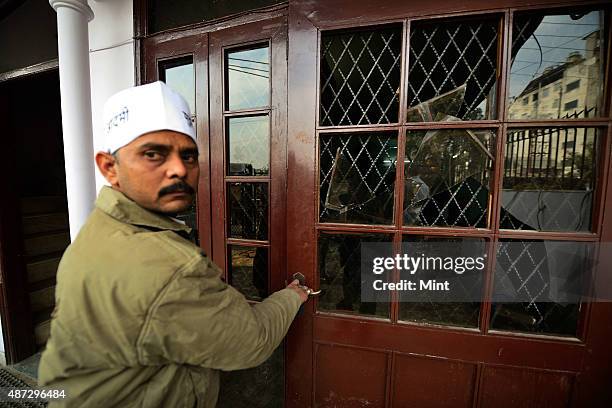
[(164, 15), (248, 146), (452, 73), (557, 65), (549, 179), (530, 285), (447, 177), (248, 210), (247, 73), (357, 178), (340, 275), (360, 76), (459, 306), (178, 74), (249, 271)]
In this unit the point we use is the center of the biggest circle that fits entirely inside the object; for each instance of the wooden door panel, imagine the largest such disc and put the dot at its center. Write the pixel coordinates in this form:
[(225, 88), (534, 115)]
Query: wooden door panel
[(517, 387), (350, 377), (425, 382)]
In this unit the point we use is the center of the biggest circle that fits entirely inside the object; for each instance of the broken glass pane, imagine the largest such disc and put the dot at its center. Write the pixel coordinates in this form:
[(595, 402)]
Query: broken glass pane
[(357, 177), (447, 175), (340, 275), (452, 73), (557, 65), (549, 179), (419, 307), (360, 76), (530, 282)]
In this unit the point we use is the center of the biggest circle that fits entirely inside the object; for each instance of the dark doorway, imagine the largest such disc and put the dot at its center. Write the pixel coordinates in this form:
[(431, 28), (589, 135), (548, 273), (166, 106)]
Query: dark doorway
[(33, 211)]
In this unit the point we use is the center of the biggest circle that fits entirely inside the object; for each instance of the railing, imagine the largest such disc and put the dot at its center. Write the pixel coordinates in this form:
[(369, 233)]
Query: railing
[(552, 157)]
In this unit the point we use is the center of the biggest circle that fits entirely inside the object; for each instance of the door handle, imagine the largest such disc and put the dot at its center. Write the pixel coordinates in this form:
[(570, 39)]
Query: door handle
[(302, 282)]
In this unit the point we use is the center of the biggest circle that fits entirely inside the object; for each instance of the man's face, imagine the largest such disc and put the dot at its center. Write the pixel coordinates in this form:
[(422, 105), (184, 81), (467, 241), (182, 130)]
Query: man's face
[(158, 170)]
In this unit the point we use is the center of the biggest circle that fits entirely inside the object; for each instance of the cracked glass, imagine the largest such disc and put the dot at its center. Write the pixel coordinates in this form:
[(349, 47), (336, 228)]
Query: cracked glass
[(453, 70), (549, 179), (357, 177), (557, 66), (422, 307), (530, 280), (447, 177)]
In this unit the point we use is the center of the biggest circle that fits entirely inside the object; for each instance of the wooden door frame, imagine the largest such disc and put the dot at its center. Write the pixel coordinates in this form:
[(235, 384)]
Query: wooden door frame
[(305, 22), (274, 32)]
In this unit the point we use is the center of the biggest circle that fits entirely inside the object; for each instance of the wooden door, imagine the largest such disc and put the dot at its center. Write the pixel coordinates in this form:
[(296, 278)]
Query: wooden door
[(236, 80), (449, 122)]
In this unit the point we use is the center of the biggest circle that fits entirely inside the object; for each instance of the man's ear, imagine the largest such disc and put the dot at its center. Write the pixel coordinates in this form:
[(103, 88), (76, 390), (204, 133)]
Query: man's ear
[(107, 164)]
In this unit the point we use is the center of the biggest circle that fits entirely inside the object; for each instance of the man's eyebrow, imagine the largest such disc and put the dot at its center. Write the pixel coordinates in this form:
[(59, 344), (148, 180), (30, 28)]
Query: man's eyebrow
[(155, 146), (189, 150)]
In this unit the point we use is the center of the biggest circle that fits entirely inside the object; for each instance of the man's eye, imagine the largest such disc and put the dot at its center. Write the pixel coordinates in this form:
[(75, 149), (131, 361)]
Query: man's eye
[(190, 158), (152, 155)]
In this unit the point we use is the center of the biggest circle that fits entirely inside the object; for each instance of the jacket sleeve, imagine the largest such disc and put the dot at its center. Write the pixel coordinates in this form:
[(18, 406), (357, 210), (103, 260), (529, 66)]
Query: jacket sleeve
[(199, 320)]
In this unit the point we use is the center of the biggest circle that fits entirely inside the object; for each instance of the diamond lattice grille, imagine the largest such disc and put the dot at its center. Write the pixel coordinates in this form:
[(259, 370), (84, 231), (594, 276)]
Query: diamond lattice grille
[(357, 177), (248, 204), (445, 57), (523, 287), (360, 77)]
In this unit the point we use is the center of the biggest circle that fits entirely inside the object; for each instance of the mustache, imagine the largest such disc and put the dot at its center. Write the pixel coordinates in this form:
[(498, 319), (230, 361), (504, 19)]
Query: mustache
[(180, 187)]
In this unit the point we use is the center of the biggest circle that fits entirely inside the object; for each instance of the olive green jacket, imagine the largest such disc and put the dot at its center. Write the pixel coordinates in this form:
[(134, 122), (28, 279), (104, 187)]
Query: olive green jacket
[(142, 318)]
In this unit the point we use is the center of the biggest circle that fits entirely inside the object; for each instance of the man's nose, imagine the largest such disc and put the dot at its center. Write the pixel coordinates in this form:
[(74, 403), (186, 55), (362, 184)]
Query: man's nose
[(175, 167)]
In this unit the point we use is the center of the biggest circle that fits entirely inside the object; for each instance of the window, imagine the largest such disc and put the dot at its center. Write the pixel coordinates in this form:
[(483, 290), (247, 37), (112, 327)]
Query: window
[(247, 173), (360, 77), (572, 85), (533, 68), (446, 174), (571, 105)]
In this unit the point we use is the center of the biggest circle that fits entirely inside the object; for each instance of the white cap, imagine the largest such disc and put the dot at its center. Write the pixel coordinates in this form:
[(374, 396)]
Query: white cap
[(135, 111)]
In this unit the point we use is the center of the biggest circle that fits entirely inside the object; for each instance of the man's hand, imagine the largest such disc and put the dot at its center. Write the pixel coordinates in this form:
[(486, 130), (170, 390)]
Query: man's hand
[(295, 285)]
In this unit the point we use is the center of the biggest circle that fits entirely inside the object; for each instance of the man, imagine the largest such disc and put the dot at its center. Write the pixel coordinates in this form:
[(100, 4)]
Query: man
[(142, 318)]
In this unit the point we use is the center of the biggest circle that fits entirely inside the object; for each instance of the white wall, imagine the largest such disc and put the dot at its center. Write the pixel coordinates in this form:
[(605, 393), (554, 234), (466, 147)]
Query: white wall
[(111, 57)]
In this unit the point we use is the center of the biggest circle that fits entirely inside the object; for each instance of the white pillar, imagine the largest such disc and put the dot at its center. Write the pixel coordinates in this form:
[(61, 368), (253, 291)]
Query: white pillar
[(73, 52)]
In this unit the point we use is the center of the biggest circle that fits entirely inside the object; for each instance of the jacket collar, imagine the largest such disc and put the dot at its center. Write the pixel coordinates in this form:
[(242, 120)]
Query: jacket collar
[(117, 205)]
